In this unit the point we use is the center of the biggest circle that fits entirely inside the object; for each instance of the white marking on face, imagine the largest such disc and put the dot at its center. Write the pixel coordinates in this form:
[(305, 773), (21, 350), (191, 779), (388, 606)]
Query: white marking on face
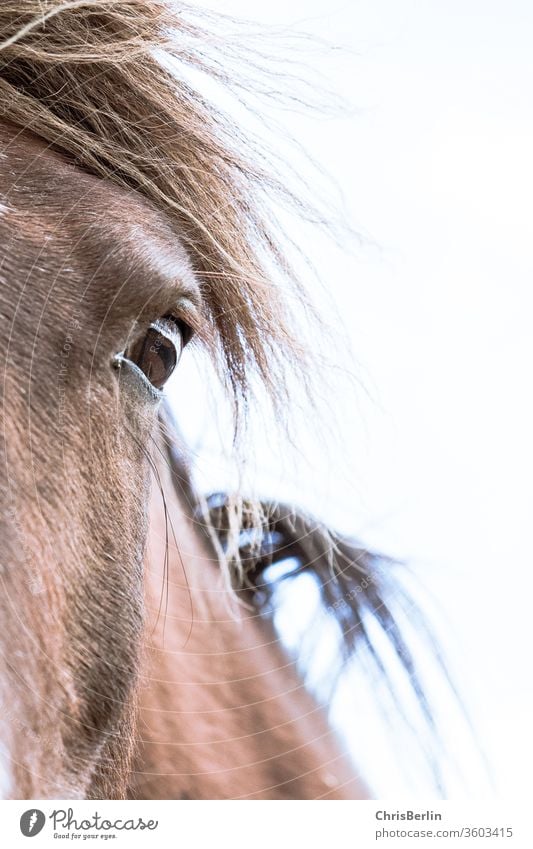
[(5, 772), (5, 776), (6, 735)]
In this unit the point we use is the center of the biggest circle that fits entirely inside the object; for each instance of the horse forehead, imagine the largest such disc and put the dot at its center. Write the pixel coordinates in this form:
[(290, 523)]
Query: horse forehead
[(49, 194)]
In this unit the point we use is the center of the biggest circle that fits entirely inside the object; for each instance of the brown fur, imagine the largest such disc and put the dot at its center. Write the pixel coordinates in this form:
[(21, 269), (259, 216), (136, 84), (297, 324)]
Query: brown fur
[(223, 712)]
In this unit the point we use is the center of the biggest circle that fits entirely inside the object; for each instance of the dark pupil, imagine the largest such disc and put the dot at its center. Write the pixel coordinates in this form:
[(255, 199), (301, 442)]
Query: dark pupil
[(155, 355)]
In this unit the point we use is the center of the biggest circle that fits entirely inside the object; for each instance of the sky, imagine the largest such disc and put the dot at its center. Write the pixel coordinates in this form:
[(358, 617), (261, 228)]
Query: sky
[(429, 457)]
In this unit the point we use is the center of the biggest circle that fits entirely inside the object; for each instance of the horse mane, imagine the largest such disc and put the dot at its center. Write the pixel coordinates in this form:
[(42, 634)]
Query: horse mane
[(107, 83)]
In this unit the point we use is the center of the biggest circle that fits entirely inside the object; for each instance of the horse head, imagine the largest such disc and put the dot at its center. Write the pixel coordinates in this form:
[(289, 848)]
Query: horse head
[(132, 225)]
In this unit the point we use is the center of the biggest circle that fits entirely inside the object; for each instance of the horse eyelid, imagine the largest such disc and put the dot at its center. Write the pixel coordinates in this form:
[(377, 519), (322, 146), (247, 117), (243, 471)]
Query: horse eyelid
[(120, 361), (175, 331)]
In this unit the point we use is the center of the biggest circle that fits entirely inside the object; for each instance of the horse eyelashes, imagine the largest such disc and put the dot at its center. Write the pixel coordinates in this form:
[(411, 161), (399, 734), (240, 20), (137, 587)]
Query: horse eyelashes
[(157, 353)]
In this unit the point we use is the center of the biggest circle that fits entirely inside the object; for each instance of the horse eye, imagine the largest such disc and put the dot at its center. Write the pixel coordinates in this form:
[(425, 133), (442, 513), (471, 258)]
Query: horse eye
[(157, 353)]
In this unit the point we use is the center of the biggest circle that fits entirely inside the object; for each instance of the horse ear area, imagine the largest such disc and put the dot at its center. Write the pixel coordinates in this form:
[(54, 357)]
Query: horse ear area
[(358, 589), (352, 581)]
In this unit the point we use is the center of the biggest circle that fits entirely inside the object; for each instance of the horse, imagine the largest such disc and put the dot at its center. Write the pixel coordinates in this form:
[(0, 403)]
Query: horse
[(138, 654)]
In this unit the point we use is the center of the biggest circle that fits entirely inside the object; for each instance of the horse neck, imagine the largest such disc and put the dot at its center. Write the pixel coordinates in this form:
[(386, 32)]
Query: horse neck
[(223, 712)]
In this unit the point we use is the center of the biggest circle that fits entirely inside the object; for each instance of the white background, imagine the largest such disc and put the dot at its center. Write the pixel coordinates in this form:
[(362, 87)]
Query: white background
[(432, 459)]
